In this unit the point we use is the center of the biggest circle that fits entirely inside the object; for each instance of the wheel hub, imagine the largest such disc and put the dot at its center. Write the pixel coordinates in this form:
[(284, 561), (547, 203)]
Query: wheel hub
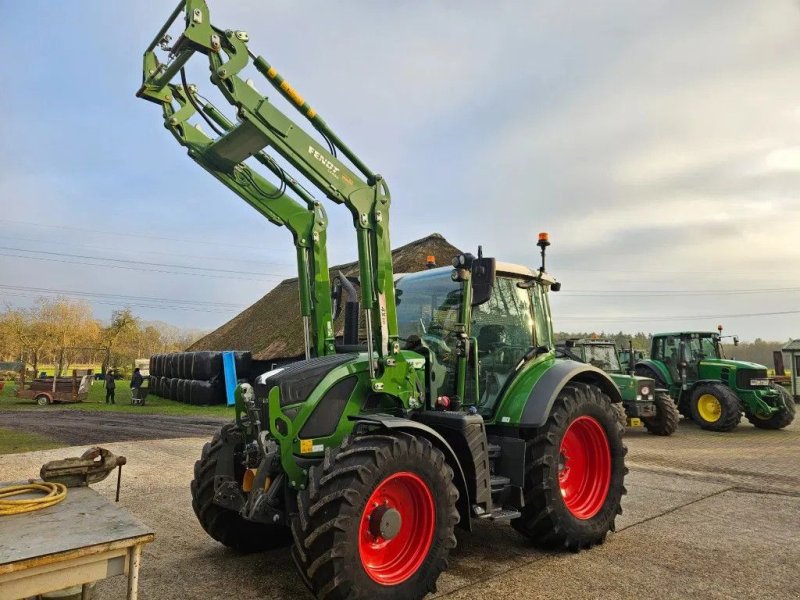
[(709, 408), (584, 467), (397, 528), (385, 522)]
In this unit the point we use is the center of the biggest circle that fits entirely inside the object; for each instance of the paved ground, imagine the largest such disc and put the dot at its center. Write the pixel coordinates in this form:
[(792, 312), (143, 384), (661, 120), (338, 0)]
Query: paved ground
[(701, 520)]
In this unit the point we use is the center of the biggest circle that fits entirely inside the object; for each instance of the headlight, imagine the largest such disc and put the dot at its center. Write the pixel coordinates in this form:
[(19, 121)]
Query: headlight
[(645, 390), (755, 382)]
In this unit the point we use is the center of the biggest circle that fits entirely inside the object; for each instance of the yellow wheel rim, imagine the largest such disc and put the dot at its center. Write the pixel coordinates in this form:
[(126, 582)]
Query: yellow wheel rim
[(709, 408)]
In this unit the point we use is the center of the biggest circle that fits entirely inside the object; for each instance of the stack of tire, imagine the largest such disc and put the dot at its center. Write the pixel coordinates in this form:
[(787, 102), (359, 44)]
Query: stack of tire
[(193, 377)]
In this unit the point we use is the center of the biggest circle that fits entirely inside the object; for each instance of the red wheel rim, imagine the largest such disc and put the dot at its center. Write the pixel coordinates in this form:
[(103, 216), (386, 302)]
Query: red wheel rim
[(392, 561), (584, 470)]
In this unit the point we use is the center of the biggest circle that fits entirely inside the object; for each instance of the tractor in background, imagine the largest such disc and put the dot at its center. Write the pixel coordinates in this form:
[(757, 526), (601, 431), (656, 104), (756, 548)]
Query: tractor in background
[(643, 402), (447, 407), (712, 390)]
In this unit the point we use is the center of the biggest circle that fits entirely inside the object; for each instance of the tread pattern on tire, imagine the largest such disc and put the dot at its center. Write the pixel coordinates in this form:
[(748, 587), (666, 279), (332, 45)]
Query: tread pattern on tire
[(545, 519), (731, 406), (225, 525), (332, 505), (665, 422)]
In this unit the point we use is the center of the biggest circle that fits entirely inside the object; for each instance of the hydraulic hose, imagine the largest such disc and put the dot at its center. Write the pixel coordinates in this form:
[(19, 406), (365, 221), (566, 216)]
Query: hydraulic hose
[(53, 494)]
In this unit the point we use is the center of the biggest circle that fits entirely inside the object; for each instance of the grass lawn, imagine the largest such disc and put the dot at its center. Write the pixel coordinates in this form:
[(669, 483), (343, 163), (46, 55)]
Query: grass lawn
[(97, 398), (12, 442)]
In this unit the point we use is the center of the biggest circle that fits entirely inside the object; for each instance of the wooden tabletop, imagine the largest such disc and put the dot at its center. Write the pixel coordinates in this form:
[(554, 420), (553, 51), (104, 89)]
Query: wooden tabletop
[(82, 520)]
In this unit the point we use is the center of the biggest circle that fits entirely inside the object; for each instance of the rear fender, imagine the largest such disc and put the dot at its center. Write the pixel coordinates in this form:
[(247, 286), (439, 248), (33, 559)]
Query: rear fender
[(659, 368), (530, 399), (391, 423)]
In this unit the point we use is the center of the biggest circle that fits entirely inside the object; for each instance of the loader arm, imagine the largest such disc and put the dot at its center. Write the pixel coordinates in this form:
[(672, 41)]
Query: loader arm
[(306, 223), (260, 125)]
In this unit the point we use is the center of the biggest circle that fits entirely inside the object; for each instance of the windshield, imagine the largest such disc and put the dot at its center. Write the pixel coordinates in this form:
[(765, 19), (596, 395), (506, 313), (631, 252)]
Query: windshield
[(702, 346), (427, 304), (602, 357)]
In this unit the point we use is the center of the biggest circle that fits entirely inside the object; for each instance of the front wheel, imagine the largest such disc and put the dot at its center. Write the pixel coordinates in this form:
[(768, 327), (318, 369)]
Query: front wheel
[(377, 520), (780, 419), (42, 400), (575, 472), (665, 421), (223, 524)]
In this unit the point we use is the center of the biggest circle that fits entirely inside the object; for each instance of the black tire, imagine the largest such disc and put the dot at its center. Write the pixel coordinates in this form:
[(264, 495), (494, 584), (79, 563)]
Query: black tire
[(42, 400), (665, 422), (225, 525), (730, 408), (781, 418), (546, 518), (622, 416), (327, 538)]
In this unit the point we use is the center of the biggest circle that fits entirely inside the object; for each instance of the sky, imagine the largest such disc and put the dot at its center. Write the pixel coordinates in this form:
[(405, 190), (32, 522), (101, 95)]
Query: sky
[(658, 142)]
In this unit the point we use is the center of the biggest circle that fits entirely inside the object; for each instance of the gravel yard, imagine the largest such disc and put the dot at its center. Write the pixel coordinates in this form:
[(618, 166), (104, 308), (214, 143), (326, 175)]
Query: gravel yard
[(706, 516)]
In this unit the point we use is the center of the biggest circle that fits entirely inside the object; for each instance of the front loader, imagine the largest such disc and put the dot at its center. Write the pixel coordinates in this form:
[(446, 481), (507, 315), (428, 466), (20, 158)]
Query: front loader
[(448, 406), (712, 390)]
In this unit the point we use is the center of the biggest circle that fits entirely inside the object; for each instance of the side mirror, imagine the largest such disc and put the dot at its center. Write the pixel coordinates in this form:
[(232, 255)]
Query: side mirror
[(736, 340), (483, 276)]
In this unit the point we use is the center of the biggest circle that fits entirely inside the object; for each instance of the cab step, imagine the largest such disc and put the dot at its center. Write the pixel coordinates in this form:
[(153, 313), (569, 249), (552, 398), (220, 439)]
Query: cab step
[(500, 514)]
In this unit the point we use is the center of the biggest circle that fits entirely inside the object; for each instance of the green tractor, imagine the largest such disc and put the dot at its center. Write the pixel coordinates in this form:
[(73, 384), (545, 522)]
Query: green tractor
[(642, 401), (446, 406), (712, 390)]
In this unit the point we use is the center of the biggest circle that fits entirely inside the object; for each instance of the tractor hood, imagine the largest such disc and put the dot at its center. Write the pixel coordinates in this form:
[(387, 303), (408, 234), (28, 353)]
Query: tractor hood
[(730, 363)]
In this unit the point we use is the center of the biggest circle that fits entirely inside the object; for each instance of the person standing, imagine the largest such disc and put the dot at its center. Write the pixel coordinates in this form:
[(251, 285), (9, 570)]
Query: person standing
[(136, 383), (110, 387)]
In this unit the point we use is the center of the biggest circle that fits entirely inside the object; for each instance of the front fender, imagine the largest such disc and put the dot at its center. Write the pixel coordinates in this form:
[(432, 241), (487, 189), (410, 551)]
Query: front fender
[(393, 423), (531, 396)]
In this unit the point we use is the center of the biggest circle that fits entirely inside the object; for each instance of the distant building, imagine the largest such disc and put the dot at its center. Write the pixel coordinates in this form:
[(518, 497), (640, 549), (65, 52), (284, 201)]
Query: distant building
[(272, 328)]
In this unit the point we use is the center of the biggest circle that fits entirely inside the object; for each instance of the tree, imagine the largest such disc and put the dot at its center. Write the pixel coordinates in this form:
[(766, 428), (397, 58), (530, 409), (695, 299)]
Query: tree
[(70, 328), (27, 334), (124, 327)]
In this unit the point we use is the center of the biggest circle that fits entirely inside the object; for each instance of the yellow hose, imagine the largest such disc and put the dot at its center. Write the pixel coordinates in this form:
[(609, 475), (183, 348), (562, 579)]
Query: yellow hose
[(54, 493)]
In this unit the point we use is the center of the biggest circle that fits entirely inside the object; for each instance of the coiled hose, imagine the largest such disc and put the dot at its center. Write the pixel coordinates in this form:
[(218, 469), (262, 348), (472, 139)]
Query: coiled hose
[(54, 493)]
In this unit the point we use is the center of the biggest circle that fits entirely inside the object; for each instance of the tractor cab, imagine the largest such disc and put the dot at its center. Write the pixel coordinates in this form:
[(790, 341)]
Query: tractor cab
[(597, 352), (682, 353), (476, 339)]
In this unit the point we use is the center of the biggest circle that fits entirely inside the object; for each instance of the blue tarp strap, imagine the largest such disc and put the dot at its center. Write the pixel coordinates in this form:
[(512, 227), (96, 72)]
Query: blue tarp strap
[(229, 368)]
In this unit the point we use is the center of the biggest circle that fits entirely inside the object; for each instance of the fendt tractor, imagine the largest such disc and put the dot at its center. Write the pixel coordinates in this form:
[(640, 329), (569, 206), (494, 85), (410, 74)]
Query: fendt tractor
[(713, 390), (446, 407), (643, 402)]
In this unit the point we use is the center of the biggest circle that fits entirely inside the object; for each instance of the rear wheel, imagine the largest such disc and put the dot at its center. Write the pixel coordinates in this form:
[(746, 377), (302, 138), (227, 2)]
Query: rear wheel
[(715, 407), (576, 471), (225, 525), (377, 520), (665, 421), (42, 400), (780, 419)]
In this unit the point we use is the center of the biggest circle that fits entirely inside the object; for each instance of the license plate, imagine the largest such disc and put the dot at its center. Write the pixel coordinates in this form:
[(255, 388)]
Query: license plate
[(634, 422)]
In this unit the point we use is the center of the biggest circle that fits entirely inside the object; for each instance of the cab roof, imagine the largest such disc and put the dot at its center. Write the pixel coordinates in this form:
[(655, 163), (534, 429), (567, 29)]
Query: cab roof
[(503, 268)]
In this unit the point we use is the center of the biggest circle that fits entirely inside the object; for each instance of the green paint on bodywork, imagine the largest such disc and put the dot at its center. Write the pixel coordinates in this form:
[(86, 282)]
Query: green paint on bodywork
[(512, 404)]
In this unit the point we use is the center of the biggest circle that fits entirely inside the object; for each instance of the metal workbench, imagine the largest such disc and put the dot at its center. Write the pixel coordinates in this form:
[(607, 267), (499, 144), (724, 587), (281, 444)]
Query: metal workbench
[(85, 538)]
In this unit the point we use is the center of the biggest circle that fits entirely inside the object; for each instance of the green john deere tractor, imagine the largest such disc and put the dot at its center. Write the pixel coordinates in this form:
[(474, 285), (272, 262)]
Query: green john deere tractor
[(448, 406), (642, 400), (712, 390)]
